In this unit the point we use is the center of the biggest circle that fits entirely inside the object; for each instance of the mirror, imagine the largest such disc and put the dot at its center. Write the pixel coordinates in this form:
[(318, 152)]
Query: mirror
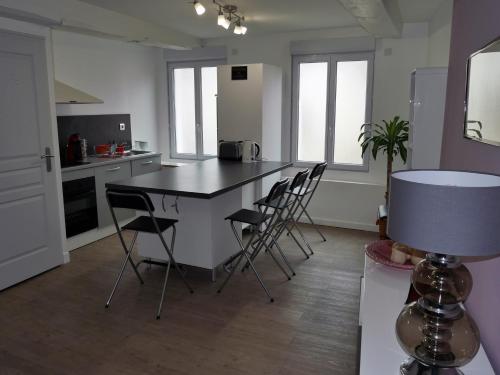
[(482, 105)]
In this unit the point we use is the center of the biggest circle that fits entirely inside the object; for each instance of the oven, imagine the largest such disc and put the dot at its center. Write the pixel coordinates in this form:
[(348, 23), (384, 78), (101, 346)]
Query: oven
[(80, 205)]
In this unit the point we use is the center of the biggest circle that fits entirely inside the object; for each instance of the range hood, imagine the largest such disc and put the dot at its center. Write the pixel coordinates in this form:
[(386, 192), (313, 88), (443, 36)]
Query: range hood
[(66, 94)]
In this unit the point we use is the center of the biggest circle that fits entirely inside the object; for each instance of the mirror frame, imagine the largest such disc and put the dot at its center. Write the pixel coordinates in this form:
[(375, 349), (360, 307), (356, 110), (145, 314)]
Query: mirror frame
[(466, 101)]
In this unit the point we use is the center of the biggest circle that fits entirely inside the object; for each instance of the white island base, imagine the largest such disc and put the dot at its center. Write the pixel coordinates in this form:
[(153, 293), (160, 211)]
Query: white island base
[(204, 239)]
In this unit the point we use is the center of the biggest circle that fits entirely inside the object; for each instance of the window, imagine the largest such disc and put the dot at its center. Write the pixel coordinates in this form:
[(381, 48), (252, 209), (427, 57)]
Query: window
[(331, 100), (193, 109)]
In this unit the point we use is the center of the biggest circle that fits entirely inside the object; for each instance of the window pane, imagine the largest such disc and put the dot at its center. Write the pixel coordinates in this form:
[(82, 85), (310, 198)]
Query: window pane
[(350, 111), (185, 119), (209, 109), (313, 83)]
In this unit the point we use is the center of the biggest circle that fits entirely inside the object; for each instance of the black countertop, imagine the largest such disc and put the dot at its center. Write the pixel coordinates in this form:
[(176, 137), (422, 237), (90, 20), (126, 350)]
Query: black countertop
[(204, 179)]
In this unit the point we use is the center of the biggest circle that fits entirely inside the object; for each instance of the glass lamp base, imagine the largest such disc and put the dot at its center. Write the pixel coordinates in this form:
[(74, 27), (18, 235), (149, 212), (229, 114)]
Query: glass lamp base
[(414, 367)]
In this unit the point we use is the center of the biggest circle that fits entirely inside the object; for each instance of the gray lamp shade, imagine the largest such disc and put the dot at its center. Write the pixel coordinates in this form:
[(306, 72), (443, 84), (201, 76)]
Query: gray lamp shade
[(446, 212)]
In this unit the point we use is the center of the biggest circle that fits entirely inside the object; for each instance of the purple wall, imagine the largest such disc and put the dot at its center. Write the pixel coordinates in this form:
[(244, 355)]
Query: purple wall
[(475, 23)]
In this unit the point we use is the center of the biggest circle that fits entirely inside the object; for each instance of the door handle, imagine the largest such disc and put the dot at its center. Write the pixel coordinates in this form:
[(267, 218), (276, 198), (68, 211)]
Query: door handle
[(113, 169), (47, 157), (147, 162)]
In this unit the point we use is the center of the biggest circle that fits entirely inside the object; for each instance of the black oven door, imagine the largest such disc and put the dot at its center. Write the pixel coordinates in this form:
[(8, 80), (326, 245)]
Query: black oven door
[(80, 205)]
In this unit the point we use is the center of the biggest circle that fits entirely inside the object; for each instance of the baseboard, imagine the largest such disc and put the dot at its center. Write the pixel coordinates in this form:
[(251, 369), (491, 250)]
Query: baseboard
[(343, 224), (92, 235)]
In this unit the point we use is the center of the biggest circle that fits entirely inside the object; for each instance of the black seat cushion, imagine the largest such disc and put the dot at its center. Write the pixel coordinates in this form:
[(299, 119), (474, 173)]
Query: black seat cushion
[(304, 191), (145, 224), (248, 217), (273, 203)]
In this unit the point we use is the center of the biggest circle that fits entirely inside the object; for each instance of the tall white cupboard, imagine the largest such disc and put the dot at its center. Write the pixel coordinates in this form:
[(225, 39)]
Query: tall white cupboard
[(249, 107), (427, 104)]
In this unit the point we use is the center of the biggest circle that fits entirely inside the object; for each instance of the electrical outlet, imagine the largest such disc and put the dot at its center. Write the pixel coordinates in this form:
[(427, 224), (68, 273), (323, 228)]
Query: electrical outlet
[(122, 126)]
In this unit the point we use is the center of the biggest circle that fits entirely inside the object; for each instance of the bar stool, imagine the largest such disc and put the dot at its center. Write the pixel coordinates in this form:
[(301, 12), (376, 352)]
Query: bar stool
[(308, 192), (289, 209), (257, 220), (140, 201)]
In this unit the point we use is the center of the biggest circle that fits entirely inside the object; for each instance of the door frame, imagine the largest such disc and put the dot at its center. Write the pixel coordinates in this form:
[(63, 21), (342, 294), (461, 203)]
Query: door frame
[(55, 183)]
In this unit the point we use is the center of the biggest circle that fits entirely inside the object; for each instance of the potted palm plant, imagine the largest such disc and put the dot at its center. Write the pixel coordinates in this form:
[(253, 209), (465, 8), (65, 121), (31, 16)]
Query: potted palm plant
[(391, 139)]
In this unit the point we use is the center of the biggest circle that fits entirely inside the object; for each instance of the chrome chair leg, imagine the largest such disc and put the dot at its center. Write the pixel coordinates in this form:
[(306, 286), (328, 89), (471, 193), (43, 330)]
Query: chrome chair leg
[(294, 225), (304, 211), (290, 233), (160, 306), (239, 256), (172, 246), (122, 240), (280, 250), (172, 259), (127, 259), (269, 251), (244, 253)]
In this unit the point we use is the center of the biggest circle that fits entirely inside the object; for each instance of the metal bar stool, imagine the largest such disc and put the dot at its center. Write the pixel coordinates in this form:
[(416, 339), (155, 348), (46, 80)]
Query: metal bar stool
[(140, 201), (286, 216), (317, 171), (257, 220)]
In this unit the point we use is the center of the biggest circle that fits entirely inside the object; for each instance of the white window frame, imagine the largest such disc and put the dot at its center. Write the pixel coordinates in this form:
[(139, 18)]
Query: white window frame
[(332, 60), (196, 65)]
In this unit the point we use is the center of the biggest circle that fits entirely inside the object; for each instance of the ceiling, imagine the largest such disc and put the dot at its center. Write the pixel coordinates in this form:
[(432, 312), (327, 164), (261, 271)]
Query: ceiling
[(262, 16), (419, 10)]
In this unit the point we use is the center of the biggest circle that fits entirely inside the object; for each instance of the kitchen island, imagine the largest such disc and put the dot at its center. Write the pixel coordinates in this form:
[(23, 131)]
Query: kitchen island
[(200, 195)]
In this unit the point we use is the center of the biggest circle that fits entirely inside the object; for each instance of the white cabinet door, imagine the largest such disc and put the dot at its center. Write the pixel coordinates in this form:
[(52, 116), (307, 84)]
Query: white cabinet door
[(146, 165), (110, 173), (30, 223)]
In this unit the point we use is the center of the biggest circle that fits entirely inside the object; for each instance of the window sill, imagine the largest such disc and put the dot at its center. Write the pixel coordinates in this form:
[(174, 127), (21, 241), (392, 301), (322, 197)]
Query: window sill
[(334, 167)]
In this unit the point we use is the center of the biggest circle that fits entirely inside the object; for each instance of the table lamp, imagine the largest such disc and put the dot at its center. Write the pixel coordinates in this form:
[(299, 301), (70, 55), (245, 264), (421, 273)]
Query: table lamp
[(448, 214)]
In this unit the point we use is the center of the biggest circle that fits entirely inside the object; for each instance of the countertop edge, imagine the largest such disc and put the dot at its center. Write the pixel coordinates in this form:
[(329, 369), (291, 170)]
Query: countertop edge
[(196, 195), (106, 161)]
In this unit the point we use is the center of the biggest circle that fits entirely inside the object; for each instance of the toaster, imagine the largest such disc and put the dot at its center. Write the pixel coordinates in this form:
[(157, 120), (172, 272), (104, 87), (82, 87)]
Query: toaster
[(230, 150)]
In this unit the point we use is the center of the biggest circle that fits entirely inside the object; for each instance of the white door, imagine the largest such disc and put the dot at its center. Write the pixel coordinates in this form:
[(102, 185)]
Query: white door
[(30, 233)]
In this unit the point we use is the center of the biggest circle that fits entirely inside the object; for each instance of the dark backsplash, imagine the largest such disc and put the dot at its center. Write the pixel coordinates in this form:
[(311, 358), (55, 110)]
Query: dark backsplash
[(96, 129)]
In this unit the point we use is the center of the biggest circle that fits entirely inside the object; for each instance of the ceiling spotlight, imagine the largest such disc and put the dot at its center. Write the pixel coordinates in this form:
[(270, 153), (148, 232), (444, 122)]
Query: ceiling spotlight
[(222, 20), (200, 9), (237, 28)]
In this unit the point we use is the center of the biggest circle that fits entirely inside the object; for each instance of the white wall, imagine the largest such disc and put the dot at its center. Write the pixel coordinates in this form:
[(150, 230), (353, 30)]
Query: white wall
[(347, 199), (440, 35), (125, 76)]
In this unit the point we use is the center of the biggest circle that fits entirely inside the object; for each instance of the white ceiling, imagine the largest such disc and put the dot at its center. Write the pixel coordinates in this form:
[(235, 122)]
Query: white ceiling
[(419, 10), (262, 16)]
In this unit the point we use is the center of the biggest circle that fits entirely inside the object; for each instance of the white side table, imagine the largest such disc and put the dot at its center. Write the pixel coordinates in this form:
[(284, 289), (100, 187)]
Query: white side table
[(383, 293)]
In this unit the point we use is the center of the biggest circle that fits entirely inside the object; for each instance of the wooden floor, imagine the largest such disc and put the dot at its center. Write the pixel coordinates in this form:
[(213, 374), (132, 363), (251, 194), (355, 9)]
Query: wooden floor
[(56, 323)]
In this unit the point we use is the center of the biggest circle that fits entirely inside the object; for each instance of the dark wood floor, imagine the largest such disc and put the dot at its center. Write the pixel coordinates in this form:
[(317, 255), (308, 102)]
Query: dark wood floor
[(56, 323)]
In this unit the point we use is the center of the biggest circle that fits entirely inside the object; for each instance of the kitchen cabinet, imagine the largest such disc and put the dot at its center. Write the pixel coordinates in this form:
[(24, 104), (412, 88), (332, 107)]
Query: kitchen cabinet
[(146, 165), (110, 173)]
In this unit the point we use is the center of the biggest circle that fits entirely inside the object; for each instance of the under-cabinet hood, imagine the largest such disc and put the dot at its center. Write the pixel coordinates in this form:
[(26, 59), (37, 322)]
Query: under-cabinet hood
[(66, 94)]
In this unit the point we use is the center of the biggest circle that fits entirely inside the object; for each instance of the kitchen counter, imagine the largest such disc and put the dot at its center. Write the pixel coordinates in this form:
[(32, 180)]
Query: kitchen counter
[(200, 196), (94, 161), (205, 179)]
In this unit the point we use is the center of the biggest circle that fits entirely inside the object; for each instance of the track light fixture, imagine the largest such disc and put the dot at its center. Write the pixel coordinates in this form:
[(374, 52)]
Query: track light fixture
[(199, 8), (227, 16)]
